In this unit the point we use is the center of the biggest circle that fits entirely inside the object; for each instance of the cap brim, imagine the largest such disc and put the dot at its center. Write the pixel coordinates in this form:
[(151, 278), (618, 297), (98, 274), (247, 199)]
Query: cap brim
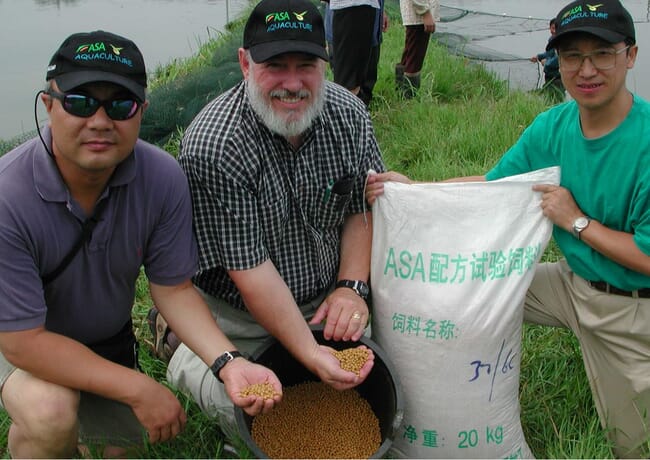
[(604, 34), (69, 81), (265, 51)]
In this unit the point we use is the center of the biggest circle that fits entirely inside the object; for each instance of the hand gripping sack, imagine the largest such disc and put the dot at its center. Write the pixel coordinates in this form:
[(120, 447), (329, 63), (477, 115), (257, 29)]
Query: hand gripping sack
[(451, 263)]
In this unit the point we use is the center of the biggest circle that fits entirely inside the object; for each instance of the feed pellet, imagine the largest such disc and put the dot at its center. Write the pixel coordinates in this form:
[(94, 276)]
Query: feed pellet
[(316, 421), (352, 359), (265, 390)]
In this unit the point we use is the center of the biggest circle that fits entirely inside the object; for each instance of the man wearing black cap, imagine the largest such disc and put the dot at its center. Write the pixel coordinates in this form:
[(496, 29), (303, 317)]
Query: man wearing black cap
[(276, 168), (601, 212), (82, 208)]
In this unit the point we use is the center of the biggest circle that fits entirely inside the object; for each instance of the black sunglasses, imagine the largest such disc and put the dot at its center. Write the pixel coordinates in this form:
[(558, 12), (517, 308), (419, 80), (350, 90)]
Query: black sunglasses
[(84, 106)]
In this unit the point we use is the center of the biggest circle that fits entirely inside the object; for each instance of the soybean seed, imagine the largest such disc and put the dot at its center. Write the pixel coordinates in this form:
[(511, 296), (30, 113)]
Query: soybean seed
[(316, 421), (352, 359), (265, 390)]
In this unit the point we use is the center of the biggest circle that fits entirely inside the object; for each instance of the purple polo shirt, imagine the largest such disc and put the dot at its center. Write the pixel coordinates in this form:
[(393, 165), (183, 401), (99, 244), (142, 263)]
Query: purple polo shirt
[(147, 221)]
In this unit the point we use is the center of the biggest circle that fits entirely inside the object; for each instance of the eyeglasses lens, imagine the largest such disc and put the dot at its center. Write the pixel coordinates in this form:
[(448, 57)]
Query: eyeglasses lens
[(81, 106), (600, 59), (84, 106)]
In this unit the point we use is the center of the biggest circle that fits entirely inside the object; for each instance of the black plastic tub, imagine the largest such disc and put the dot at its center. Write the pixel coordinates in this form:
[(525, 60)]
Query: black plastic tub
[(381, 388)]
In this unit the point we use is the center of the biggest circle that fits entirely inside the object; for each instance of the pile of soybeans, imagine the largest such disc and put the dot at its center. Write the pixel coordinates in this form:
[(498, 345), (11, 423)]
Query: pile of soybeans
[(265, 390), (316, 421), (352, 359)]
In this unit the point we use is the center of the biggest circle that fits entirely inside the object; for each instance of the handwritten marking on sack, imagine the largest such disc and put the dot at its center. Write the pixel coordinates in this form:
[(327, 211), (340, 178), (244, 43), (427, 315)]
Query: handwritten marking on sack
[(455, 269), (427, 328), (493, 371), (515, 454)]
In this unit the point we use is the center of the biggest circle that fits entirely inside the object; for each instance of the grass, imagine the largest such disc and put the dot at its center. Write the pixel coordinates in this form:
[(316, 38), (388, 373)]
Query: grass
[(460, 124)]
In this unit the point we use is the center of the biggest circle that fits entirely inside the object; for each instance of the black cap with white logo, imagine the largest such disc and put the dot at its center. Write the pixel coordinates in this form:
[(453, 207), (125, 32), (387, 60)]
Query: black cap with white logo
[(98, 56), (606, 19), (284, 26)]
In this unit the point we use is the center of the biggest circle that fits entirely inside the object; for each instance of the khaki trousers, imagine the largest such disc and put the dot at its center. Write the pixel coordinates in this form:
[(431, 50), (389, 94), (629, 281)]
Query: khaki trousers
[(188, 373), (102, 421), (614, 335)]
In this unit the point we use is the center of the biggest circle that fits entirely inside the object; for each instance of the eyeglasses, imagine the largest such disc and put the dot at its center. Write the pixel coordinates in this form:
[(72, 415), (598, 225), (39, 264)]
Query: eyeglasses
[(84, 106), (603, 59)]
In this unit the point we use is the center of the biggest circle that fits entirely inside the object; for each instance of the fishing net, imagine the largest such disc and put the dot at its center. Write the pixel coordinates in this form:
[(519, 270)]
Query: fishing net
[(172, 106), (468, 33), (475, 25), (464, 32)]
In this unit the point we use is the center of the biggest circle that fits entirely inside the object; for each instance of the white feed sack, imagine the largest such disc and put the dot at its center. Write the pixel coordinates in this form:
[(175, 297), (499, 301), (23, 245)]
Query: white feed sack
[(451, 263)]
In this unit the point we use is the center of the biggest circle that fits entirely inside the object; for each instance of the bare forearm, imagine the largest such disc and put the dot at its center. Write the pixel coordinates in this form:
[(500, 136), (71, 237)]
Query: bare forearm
[(271, 303), (356, 241), (559, 205), (66, 362), (617, 246), (466, 179)]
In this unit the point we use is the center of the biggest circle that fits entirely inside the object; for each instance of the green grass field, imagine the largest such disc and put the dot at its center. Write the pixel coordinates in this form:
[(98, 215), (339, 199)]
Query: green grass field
[(459, 125)]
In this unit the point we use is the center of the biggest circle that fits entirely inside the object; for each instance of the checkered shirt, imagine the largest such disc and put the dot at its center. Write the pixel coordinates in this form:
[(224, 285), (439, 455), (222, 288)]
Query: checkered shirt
[(256, 198)]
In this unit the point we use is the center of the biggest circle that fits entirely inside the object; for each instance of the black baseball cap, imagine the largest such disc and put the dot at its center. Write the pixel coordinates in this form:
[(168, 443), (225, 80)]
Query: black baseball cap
[(606, 19), (98, 56), (284, 26)]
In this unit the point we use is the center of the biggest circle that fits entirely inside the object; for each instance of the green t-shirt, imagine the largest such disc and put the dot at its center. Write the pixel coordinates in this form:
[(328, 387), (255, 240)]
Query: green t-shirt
[(609, 178)]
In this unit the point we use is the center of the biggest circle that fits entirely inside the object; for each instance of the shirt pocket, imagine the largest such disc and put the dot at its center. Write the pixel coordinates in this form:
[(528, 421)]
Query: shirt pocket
[(336, 199)]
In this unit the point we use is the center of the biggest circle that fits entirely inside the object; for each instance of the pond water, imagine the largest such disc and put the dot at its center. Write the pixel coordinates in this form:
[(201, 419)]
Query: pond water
[(31, 30), (516, 30)]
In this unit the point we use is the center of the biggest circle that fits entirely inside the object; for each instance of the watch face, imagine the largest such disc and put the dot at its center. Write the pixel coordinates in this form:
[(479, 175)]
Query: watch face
[(363, 290), (580, 223)]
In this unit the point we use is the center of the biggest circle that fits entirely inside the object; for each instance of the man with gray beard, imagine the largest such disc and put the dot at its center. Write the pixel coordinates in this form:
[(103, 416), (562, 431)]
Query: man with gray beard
[(277, 167)]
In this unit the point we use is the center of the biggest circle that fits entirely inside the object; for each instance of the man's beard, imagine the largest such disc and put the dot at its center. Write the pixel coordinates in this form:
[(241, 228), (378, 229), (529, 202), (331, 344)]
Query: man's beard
[(286, 125)]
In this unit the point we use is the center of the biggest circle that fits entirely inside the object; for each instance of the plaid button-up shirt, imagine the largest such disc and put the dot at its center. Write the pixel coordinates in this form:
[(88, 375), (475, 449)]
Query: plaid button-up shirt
[(257, 198)]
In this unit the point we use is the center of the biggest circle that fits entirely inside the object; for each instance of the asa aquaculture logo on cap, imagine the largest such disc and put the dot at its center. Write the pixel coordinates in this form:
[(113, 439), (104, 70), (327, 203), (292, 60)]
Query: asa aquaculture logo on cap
[(287, 20), (100, 52), (587, 12)]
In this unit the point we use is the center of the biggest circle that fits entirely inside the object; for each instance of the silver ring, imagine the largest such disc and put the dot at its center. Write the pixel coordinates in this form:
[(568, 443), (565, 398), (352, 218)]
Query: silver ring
[(356, 315)]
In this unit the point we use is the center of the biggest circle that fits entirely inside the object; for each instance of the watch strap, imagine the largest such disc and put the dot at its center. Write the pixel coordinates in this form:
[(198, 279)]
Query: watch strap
[(359, 287), (222, 361)]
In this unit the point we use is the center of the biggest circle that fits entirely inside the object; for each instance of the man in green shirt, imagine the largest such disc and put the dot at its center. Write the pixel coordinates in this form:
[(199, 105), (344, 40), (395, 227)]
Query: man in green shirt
[(600, 211)]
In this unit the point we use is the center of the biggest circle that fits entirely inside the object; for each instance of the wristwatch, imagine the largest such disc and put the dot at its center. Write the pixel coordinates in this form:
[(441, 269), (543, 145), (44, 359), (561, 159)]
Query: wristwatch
[(579, 225), (222, 361), (358, 286)]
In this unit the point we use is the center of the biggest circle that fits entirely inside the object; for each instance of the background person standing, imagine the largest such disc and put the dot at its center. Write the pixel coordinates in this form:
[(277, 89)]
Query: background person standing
[(552, 79), (357, 26), (419, 19)]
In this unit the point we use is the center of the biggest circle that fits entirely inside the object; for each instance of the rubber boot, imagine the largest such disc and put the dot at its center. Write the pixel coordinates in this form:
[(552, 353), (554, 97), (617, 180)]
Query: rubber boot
[(412, 85), (400, 80)]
